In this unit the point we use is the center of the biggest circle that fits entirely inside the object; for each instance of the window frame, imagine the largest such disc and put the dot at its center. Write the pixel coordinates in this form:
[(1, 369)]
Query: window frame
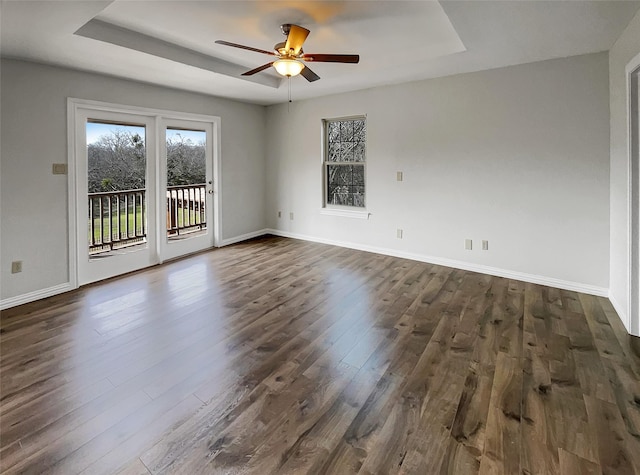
[(342, 210)]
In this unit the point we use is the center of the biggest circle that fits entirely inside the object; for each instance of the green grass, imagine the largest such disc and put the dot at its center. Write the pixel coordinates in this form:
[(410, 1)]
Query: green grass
[(124, 217), (194, 217)]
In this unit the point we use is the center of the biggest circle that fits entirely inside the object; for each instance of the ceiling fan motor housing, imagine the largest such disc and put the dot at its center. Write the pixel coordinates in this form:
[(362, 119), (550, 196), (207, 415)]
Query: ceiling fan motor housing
[(279, 48), (285, 28)]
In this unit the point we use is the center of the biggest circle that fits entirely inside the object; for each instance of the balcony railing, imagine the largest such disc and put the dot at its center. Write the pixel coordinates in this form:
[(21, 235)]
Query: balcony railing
[(118, 219), (186, 209)]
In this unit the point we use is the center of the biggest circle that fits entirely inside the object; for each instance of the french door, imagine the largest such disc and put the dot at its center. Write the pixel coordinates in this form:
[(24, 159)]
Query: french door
[(116, 189), (186, 171), (145, 189)]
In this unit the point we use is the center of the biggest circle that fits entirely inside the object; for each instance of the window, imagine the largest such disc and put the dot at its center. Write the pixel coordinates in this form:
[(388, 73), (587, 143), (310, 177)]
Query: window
[(344, 162)]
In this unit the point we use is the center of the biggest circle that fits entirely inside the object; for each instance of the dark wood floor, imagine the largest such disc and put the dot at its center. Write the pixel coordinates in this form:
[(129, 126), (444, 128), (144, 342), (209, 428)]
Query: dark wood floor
[(283, 356)]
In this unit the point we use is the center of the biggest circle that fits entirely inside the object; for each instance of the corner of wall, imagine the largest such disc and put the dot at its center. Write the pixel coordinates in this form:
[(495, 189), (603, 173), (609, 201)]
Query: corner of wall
[(626, 47)]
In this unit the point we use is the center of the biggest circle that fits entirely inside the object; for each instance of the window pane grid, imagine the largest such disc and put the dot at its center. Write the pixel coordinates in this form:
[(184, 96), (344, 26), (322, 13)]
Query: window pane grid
[(346, 140), (344, 162)]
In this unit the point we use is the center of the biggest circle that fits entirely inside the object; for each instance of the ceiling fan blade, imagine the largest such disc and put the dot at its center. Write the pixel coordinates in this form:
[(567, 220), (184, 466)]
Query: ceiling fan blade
[(258, 69), (309, 75), (235, 45), (296, 38), (331, 58)]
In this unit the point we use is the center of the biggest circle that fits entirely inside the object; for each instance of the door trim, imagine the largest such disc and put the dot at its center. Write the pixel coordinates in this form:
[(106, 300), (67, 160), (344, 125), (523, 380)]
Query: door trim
[(633, 224), (74, 105)]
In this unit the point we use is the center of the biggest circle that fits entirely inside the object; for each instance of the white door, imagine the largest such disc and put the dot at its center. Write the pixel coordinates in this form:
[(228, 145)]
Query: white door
[(187, 198), (115, 193)]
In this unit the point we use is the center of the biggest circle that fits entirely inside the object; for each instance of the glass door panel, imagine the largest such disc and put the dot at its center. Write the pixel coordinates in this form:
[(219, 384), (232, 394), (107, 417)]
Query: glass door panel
[(116, 182), (186, 183)]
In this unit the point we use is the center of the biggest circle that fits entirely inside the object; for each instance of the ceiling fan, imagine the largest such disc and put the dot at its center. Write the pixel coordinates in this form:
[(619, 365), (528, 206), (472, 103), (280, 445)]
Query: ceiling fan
[(290, 55)]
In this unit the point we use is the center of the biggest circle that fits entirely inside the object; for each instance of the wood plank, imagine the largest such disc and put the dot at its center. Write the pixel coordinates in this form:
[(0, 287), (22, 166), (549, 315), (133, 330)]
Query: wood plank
[(502, 439), (571, 464), (617, 449), (135, 468), (284, 356)]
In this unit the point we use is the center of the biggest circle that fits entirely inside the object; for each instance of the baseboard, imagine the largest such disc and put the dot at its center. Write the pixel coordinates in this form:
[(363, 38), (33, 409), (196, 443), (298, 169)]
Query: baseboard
[(532, 278), (634, 342), (35, 295), (243, 237), (622, 315)]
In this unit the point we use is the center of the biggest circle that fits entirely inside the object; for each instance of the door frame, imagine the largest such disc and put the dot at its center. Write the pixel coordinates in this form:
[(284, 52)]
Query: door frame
[(633, 125), (74, 105)]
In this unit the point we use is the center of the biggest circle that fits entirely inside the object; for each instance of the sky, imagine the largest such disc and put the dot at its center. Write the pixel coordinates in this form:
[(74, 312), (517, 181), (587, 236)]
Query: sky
[(96, 129)]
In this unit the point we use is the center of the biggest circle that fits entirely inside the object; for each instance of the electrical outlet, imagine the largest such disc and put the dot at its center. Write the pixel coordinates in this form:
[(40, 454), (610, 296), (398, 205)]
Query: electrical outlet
[(485, 245), (279, 214), (59, 169), (291, 216), (468, 244), (399, 233), (16, 267), (399, 176)]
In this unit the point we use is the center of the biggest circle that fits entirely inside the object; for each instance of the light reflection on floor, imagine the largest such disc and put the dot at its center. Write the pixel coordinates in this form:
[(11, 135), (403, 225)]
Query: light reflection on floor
[(356, 301), (189, 283)]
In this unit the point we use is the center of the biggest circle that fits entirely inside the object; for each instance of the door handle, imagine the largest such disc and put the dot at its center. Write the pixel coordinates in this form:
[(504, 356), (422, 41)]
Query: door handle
[(210, 192)]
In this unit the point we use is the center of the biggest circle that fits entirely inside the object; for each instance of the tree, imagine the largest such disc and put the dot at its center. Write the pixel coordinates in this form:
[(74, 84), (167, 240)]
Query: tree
[(186, 162), (117, 161)]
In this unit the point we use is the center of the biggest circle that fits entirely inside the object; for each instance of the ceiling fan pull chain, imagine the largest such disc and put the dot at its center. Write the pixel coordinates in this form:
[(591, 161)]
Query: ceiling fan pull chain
[(289, 81)]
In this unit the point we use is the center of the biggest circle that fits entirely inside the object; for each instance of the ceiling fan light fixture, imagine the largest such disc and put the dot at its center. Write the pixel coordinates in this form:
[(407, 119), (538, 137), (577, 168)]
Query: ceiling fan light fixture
[(288, 67)]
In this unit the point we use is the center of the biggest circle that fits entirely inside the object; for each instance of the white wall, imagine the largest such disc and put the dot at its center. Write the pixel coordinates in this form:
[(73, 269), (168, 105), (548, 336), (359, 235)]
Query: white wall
[(624, 50), (34, 135), (518, 156)]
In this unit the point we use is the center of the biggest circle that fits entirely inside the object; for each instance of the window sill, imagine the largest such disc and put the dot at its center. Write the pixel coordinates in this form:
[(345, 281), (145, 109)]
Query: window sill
[(345, 213)]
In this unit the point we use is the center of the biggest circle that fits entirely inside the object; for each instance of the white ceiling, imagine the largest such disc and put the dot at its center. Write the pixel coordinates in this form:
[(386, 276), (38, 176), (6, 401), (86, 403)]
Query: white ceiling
[(172, 42)]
